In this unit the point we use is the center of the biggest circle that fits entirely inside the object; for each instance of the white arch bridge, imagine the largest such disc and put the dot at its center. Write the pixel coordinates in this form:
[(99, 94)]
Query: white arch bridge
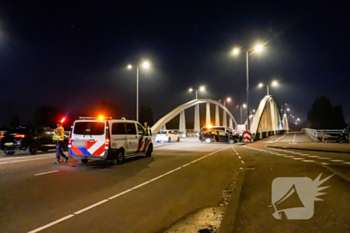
[(266, 121)]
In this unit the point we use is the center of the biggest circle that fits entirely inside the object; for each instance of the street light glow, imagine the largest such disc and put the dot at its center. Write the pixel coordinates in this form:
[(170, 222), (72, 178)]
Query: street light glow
[(260, 84), (202, 88), (288, 109), (145, 64), (258, 48), (274, 83), (235, 51), (228, 99), (129, 66), (244, 105), (190, 90), (298, 119)]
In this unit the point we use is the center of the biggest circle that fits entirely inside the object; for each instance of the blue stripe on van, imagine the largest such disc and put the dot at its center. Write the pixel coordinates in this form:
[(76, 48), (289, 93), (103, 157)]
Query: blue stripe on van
[(84, 151), (72, 152)]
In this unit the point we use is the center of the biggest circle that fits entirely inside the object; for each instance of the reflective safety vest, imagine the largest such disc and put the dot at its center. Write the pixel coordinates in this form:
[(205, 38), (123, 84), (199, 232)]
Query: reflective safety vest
[(148, 130), (58, 134)]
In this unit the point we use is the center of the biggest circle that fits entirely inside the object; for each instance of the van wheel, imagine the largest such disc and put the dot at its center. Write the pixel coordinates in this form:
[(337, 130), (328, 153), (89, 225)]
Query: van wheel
[(178, 139), (169, 139), (32, 149), (149, 150), (120, 158), (208, 140), (83, 160)]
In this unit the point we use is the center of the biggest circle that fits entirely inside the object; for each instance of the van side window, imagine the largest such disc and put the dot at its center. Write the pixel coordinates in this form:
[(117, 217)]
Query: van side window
[(130, 128), (118, 128), (140, 130)]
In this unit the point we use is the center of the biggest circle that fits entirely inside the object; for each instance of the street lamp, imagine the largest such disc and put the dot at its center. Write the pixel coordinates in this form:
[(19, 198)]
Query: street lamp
[(274, 83), (201, 89), (228, 99), (145, 65), (258, 48), (241, 106)]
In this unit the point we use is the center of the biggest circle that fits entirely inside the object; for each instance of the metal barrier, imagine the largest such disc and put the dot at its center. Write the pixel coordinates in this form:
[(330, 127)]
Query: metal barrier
[(323, 135)]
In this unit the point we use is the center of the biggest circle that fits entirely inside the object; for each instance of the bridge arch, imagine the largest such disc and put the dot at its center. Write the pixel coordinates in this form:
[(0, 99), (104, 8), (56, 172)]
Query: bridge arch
[(267, 119), (180, 110)]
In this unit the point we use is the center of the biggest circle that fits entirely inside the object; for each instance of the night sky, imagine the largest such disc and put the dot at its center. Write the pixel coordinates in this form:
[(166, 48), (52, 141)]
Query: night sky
[(73, 54)]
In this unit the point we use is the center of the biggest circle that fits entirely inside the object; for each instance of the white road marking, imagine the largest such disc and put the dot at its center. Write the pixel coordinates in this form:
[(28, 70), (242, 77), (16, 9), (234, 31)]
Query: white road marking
[(25, 160), (313, 156), (325, 163), (239, 157), (117, 195), (242, 161), (25, 157), (347, 162), (280, 138), (323, 158), (43, 173), (308, 161), (51, 224), (298, 158), (294, 137), (337, 160)]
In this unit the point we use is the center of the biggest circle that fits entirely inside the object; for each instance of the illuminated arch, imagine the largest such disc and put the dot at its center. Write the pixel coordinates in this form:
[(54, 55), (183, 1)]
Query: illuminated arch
[(161, 122), (267, 118)]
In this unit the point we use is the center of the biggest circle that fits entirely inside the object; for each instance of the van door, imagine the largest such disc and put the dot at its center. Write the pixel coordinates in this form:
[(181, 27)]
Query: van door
[(89, 138), (118, 135), (131, 138)]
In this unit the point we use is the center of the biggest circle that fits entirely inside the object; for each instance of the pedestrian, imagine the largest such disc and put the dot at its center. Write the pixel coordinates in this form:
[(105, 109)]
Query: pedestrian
[(147, 129), (58, 137)]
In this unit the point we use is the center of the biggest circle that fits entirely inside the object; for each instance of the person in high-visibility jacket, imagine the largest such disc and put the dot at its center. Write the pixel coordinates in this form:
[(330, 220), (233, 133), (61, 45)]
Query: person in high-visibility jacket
[(147, 129), (58, 137)]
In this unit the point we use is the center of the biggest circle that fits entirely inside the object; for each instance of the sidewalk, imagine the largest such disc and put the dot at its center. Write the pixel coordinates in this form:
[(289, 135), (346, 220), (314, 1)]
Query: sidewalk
[(324, 147)]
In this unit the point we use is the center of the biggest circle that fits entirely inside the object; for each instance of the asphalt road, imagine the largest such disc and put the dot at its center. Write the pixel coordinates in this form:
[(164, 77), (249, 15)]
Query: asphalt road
[(142, 195), (152, 194)]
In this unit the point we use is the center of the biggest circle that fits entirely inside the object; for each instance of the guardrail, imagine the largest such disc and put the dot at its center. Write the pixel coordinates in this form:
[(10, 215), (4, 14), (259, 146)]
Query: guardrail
[(323, 135)]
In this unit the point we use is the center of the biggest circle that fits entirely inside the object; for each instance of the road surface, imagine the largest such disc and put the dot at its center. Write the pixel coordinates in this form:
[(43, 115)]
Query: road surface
[(155, 194)]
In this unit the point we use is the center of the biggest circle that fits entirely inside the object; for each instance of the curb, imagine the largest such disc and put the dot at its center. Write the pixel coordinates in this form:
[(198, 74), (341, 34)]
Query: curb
[(309, 149), (230, 213)]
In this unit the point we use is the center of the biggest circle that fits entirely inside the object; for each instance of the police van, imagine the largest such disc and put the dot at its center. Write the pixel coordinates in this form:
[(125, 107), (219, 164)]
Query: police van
[(108, 139)]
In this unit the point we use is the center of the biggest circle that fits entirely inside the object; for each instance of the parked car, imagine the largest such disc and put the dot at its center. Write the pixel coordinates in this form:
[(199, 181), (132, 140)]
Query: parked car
[(29, 140), (218, 136), (222, 128), (167, 135)]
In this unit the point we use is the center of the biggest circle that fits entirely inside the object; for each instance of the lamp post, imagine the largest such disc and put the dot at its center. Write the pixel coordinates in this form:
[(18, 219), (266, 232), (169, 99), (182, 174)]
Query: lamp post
[(258, 48), (274, 83), (145, 65), (241, 107), (201, 89)]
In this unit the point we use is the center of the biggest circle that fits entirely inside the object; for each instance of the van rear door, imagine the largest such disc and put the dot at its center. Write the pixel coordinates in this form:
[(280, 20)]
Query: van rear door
[(89, 138)]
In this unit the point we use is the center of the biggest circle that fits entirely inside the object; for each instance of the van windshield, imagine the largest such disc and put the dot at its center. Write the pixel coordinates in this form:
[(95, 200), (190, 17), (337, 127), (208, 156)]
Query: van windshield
[(89, 128)]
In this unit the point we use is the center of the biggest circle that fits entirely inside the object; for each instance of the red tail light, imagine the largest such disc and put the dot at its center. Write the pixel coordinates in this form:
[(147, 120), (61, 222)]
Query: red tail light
[(2, 136), (70, 140), (107, 141), (20, 136), (202, 134)]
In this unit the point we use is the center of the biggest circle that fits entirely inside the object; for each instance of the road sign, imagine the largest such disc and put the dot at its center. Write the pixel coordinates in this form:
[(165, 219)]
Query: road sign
[(247, 136)]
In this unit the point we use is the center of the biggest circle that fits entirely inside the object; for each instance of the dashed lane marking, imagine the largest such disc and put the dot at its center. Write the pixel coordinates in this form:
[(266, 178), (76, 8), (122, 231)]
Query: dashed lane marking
[(44, 173), (119, 194), (308, 161)]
